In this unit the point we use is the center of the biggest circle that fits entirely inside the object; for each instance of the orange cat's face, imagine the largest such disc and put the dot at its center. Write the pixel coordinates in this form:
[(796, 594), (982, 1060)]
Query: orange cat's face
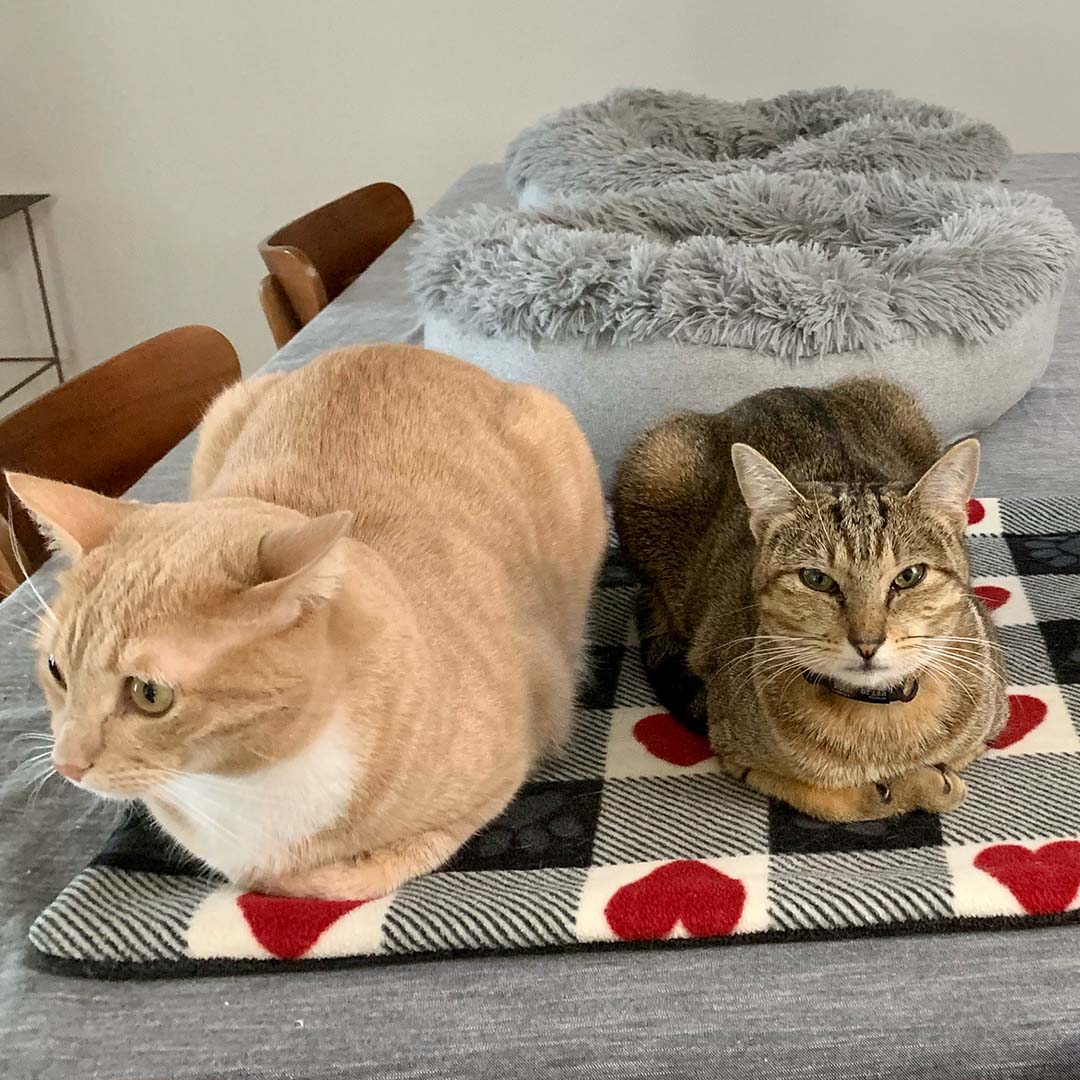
[(185, 639)]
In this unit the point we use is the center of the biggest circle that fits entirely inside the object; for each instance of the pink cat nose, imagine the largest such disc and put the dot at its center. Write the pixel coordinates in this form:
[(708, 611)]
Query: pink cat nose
[(72, 772), (866, 647)]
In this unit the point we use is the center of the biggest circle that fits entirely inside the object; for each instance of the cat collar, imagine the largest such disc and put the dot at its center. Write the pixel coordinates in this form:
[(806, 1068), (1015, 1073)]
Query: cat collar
[(885, 696)]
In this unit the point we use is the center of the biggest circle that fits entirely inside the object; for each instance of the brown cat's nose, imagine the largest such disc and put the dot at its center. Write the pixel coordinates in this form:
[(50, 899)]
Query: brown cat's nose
[(866, 647), (72, 772)]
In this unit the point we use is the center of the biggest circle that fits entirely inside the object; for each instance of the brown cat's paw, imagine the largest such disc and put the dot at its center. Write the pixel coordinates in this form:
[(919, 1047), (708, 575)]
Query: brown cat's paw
[(936, 788)]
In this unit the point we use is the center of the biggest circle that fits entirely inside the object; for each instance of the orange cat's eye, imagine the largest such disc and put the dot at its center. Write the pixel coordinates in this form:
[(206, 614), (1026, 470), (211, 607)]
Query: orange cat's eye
[(152, 698), (55, 672)]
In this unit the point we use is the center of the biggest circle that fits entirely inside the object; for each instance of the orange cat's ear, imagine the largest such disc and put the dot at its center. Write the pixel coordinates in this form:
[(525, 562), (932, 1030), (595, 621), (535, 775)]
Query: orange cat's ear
[(300, 567), (947, 485), (303, 562), (765, 489), (73, 519)]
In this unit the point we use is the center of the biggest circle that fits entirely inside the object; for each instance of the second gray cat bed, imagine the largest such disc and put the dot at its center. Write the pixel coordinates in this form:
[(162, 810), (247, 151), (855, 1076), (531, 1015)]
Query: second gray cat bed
[(636, 139), (696, 294)]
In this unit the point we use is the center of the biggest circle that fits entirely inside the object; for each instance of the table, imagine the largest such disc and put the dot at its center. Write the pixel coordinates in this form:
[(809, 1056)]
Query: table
[(20, 204), (998, 1005)]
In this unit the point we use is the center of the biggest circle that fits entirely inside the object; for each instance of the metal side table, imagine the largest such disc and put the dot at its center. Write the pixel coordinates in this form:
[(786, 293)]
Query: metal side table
[(20, 204)]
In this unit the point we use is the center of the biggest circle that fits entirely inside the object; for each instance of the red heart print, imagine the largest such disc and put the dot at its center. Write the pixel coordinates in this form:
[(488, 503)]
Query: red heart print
[(1025, 714), (665, 738), (288, 926), (993, 596), (1045, 881), (707, 903), (975, 511)]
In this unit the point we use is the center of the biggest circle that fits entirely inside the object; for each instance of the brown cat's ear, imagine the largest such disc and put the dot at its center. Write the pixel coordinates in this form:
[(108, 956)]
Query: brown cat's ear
[(300, 559), (947, 485), (766, 490), (73, 519)]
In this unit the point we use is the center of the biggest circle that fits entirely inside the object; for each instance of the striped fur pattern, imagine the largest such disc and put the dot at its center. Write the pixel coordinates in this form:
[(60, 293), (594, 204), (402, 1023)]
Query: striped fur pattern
[(633, 834), (732, 517)]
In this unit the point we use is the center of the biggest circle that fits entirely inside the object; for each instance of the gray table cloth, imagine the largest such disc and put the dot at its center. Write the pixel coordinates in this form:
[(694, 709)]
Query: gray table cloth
[(990, 1005)]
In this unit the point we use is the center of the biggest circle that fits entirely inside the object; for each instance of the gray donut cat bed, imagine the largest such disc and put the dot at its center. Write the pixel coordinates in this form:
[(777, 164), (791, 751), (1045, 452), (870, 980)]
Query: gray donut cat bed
[(642, 138), (695, 294)]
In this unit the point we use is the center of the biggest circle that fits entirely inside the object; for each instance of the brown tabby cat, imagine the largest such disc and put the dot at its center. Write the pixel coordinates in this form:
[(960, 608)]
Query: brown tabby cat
[(339, 660), (825, 631)]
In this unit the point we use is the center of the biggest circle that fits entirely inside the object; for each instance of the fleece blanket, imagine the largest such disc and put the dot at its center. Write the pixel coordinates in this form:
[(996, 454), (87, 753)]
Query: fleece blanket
[(636, 139), (633, 837), (796, 266)]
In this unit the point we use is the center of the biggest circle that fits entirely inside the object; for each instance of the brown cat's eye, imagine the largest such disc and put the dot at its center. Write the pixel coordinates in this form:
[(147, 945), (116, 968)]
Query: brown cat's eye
[(55, 672), (909, 576), (817, 580), (153, 698)]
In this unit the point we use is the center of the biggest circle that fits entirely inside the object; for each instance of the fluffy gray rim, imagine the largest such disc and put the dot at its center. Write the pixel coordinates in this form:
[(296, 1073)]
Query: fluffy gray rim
[(791, 266), (643, 138)]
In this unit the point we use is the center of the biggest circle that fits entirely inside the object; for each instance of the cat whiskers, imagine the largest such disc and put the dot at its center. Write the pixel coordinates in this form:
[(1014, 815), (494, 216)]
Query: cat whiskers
[(35, 634), (954, 677), (45, 609), (949, 647), (986, 642), (34, 762), (197, 813), (791, 667), (34, 736), (793, 671), (955, 666), (220, 785), (759, 637), (200, 816), (32, 773), (975, 664), (769, 667), (797, 673), (772, 643), (775, 663), (778, 646)]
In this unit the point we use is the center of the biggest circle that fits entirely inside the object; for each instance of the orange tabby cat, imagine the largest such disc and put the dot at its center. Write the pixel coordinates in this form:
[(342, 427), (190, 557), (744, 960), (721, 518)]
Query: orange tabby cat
[(340, 659)]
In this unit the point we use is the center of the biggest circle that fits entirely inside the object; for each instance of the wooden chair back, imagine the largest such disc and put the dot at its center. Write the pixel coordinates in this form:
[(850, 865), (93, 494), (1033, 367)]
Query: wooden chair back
[(277, 309), (9, 560), (104, 428), (312, 259)]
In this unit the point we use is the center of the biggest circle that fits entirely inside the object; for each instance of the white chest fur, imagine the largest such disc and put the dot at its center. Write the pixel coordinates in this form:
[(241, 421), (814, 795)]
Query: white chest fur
[(247, 826)]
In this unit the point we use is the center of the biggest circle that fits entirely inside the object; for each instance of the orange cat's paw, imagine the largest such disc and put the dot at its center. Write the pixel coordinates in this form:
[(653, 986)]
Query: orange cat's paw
[(363, 879)]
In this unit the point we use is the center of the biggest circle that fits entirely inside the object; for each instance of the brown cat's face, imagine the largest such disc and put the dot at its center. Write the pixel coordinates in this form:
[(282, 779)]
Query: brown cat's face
[(185, 639), (863, 586)]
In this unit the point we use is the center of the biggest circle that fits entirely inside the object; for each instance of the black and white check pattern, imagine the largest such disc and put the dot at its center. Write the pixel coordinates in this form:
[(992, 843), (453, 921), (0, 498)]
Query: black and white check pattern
[(632, 833)]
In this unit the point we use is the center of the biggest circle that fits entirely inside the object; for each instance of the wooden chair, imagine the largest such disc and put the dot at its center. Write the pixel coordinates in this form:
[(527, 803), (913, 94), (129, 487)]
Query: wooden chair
[(312, 259), (104, 428), (9, 560)]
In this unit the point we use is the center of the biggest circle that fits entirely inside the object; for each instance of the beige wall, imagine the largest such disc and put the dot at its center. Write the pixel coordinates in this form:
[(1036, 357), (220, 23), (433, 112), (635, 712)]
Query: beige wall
[(175, 135)]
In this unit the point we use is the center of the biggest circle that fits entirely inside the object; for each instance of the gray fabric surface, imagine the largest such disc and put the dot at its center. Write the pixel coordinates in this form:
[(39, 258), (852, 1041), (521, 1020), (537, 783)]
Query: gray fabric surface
[(672, 299), (990, 1005), (616, 391)]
